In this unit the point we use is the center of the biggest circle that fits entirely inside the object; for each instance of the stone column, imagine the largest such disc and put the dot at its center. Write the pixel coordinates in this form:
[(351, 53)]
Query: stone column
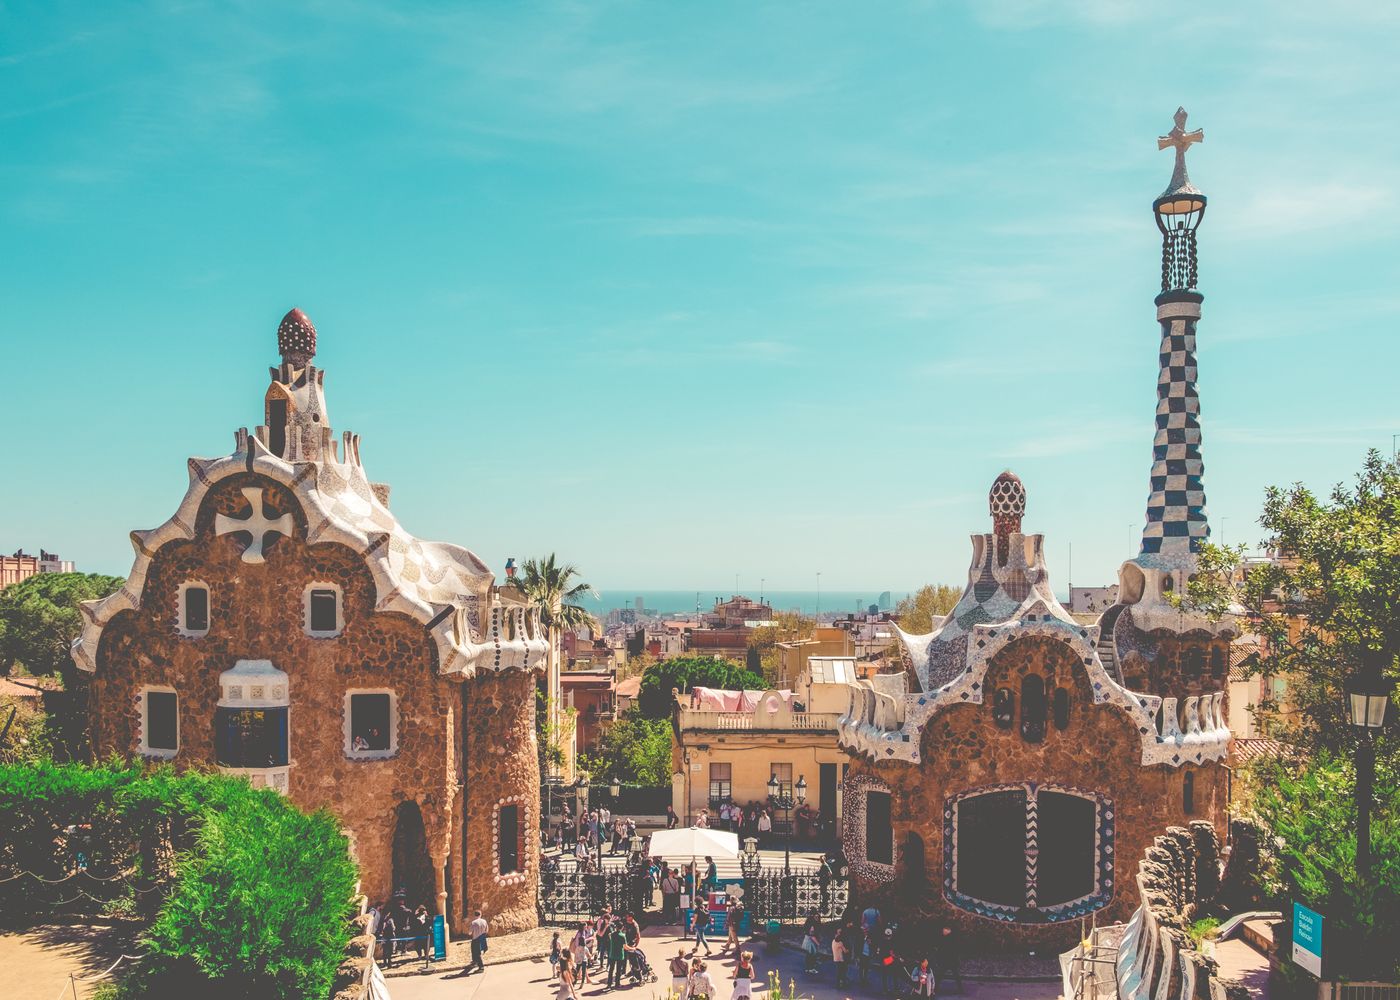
[(501, 769)]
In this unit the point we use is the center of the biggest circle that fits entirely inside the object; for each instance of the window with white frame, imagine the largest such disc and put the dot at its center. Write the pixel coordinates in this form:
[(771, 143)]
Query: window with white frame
[(192, 609), (160, 722), (323, 615), (783, 772), (721, 783), (371, 724)]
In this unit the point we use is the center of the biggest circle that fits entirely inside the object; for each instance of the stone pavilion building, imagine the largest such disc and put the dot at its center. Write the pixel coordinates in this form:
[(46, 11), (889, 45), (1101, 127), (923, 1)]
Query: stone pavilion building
[(1014, 789), (283, 625)]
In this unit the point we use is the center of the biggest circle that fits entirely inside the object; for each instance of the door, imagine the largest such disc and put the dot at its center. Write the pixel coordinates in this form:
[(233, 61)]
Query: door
[(826, 789)]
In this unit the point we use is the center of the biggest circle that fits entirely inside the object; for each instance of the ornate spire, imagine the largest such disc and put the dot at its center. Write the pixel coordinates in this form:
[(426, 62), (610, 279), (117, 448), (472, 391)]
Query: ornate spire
[(1007, 503), (1181, 140), (1179, 211), (296, 339)]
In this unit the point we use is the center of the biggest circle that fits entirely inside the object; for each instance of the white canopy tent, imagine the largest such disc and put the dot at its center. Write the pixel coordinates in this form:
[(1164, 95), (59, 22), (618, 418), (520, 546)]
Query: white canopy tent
[(694, 842)]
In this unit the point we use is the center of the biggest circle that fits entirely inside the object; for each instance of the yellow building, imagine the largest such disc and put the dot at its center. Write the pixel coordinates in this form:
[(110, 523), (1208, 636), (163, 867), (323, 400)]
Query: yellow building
[(793, 656)]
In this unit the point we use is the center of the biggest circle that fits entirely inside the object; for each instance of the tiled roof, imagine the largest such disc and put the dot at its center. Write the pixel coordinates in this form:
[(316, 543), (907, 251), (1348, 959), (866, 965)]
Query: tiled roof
[(1244, 750)]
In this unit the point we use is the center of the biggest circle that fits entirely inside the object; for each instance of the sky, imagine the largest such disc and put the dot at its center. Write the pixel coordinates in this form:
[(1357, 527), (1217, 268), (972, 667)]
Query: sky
[(685, 291)]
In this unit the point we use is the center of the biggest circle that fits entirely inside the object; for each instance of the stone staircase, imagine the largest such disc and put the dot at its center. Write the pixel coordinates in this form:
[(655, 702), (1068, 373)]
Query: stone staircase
[(1105, 649)]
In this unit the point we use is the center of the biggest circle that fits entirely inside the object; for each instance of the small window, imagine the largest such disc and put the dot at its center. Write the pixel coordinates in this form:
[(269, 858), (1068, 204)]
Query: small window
[(1033, 708), (323, 617), (250, 737), (721, 786), (371, 724), (160, 724), (1188, 792), (1061, 709), (783, 772), (509, 839), (193, 609), (879, 833), (1004, 708), (1195, 663)]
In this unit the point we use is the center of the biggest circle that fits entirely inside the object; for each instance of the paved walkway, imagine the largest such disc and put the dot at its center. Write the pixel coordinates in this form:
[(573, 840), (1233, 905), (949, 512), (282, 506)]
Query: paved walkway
[(530, 980), (1239, 961)]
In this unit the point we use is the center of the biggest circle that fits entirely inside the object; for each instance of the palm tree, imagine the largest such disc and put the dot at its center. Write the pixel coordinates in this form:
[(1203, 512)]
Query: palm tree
[(552, 588)]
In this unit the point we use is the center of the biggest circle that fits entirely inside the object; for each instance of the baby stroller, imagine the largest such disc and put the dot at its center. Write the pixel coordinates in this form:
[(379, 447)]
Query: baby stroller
[(648, 976)]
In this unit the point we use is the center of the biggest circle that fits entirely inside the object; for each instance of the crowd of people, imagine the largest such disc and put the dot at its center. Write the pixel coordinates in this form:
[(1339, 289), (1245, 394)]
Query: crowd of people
[(753, 820), (607, 947), (399, 929)]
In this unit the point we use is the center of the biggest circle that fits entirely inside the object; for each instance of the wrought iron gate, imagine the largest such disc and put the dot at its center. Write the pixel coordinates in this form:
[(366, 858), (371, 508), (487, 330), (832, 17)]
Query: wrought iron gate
[(771, 895), (566, 897)]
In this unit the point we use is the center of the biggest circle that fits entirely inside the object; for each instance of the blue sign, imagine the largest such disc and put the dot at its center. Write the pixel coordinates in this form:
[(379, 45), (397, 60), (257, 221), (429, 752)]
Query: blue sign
[(1307, 939), (439, 938)]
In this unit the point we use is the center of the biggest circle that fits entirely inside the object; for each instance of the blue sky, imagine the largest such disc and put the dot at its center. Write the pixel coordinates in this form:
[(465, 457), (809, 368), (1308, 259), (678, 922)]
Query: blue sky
[(689, 290)]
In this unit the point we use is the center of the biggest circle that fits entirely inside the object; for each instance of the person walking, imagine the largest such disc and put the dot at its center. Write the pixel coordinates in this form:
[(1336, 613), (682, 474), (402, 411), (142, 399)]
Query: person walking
[(582, 952), (733, 917), (923, 979), (566, 978), (556, 951), (743, 977), (811, 950), (701, 918), (632, 947), (477, 931)]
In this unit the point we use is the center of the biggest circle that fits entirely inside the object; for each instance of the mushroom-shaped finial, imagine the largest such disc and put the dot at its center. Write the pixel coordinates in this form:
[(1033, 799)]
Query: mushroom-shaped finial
[(1007, 502), (296, 339)]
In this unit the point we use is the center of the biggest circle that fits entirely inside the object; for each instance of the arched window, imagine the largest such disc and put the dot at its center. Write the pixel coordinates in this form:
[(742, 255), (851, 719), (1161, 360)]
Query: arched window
[(1061, 709), (1028, 854), (1033, 708), (1004, 708), (879, 830)]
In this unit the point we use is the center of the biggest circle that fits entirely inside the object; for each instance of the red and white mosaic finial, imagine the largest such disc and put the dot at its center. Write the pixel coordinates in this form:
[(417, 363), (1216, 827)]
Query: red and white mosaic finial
[(1007, 503), (296, 339)]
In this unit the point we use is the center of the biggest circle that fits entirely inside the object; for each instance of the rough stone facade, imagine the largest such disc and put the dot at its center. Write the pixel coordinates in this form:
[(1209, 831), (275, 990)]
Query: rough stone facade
[(421, 622)]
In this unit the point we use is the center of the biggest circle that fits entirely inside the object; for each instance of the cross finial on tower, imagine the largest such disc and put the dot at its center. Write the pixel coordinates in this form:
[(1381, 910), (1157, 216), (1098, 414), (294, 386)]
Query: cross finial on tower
[(1181, 140)]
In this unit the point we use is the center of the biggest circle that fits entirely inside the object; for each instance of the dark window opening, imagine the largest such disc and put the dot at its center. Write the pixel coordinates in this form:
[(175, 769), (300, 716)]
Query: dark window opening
[(324, 617), (1195, 664), (721, 788), (1033, 708), (1061, 709), (250, 737), (162, 727), (369, 722), (1188, 792), (196, 609), (879, 833), (509, 832), (277, 426), (991, 848), (1217, 662), (1004, 708), (1067, 855)]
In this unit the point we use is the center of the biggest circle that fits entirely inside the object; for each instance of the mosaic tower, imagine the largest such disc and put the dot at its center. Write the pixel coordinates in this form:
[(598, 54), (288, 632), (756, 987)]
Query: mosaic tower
[(1176, 508)]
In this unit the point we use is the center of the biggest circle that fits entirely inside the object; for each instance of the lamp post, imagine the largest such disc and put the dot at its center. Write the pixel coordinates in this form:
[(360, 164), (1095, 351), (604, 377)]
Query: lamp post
[(1368, 697), (785, 801), (749, 861)]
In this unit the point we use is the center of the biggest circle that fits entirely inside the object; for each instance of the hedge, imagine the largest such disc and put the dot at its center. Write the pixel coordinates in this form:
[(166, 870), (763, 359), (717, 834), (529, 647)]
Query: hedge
[(247, 895)]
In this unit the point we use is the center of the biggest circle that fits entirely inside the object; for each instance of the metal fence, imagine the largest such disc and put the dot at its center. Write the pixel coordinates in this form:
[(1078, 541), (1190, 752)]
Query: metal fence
[(566, 897)]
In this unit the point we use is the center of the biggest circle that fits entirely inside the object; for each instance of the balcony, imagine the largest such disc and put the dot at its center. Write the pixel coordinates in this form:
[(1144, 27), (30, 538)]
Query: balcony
[(691, 719)]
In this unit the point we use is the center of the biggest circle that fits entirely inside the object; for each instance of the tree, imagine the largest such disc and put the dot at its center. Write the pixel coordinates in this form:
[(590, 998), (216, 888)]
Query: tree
[(1326, 607), (40, 618), (917, 611), (555, 590), (685, 672), (634, 749)]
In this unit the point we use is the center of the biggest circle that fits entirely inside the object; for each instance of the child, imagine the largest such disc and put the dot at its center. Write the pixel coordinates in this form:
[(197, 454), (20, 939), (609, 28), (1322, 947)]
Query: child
[(811, 950), (554, 951)]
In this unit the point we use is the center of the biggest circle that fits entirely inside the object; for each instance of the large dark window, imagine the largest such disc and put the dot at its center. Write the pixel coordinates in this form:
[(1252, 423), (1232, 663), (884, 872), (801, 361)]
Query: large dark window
[(509, 833), (324, 613), (251, 737), (162, 721), (721, 784), (1033, 708), (277, 426), (1067, 856), (369, 722), (879, 834), (992, 847), (196, 609), (1061, 709)]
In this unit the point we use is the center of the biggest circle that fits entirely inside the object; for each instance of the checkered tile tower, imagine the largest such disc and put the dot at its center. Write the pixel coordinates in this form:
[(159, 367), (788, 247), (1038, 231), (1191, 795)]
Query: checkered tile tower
[(1176, 508)]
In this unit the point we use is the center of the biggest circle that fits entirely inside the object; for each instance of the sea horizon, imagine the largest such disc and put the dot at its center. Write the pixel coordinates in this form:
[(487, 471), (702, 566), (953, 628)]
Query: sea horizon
[(807, 602)]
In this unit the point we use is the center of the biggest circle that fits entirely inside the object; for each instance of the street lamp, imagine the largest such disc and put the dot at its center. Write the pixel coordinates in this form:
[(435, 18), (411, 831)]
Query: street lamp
[(616, 789), (785, 801), (1368, 697), (749, 861)]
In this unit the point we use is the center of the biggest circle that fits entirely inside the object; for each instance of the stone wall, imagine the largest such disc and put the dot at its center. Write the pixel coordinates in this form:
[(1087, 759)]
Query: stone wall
[(1171, 665), (1178, 877), (963, 749)]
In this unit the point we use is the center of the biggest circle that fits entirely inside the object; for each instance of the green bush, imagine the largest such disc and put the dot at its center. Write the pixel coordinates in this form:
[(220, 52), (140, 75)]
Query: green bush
[(253, 894), (685, 672)]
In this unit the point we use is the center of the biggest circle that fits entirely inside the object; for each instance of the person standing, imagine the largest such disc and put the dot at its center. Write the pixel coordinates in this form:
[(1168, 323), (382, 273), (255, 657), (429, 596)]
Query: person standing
[(923, 979), (949, 959), (632, 947), (477, 931), (614, 948), (556, 950), (671, 895), (743, 977), (680, 972), (566, 978), (700, 983), (672, 820), (840, 955), (765, 826)]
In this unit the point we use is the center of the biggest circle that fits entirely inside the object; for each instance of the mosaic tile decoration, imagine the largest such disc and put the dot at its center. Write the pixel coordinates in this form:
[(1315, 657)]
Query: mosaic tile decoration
[(854, 792), (1030, 913), (442, 586)]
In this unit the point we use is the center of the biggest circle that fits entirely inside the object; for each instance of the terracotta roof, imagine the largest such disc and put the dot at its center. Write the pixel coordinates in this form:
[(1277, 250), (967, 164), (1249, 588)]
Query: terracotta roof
[(630, 688), (1244, 750), (1242, 650)]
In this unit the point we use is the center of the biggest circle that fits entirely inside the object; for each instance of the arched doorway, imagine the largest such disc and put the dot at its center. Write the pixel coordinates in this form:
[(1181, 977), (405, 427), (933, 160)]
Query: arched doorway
[(413, 868)]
